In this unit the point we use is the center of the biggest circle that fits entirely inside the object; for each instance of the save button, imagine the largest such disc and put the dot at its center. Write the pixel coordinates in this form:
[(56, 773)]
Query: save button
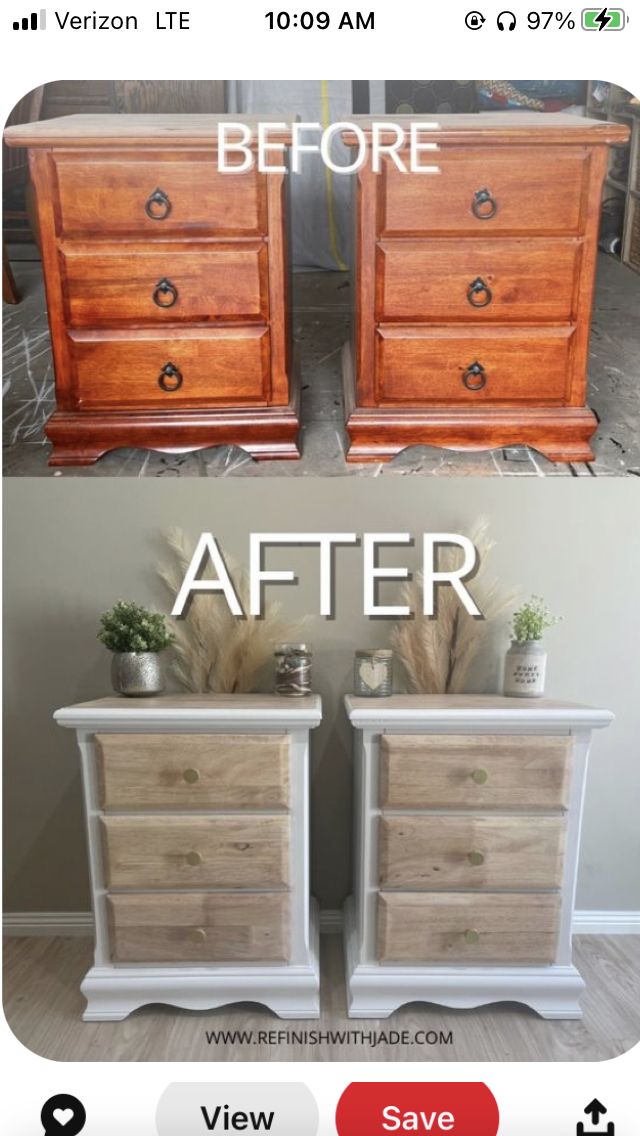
[(461, 1108)]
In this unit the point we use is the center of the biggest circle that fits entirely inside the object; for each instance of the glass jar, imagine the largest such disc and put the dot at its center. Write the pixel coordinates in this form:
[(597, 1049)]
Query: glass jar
[(373, 672), (293, 669)]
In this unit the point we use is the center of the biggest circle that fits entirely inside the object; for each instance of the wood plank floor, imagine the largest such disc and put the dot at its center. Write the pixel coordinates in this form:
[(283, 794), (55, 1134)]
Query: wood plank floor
[(43, 1005)]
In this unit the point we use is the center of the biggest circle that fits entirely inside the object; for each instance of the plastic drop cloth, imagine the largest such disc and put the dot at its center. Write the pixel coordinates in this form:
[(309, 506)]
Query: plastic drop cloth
[(320, 199)]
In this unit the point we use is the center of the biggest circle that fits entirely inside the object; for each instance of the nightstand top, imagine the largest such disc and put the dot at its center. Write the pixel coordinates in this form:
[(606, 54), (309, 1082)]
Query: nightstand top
[(499, 125), (123, 130), (180, 711), (472, 711)]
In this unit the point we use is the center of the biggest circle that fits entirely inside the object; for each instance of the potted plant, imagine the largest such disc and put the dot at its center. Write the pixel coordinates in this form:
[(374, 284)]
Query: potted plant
[(135, 636), (526, 659)]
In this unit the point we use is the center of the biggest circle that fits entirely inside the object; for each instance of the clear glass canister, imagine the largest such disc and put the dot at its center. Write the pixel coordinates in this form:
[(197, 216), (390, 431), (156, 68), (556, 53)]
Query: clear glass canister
[(293, 669), (373, 672)]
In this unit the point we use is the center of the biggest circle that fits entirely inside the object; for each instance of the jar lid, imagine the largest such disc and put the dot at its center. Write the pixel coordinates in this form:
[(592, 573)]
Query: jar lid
[(292, 649), (374, 653)]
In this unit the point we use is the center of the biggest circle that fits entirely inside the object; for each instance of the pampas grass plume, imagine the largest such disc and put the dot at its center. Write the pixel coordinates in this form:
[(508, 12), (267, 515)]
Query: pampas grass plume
[(437, 651), (215, 650)]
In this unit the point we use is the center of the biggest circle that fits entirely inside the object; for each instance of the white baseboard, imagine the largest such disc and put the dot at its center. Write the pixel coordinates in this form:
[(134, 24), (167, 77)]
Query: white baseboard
[(330, 921), (584, 922), (29, 923), (606, 922), (76, 923)]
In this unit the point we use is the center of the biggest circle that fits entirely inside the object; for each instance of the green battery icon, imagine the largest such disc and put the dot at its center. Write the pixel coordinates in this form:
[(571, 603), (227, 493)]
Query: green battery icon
[(603, 19)]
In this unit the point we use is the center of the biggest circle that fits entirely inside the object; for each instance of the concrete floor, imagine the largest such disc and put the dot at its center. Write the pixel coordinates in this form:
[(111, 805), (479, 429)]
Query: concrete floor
[(321, 323)]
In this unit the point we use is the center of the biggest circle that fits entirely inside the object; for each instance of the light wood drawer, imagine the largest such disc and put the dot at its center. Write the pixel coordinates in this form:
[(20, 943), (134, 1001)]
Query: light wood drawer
[(441, 366), (471, 852), (194, 771), (530, 191), (507, 281), (481, 771), (467, 929), (200, 928), (153, 369), (102, 195), (165, 284), (194, 852)]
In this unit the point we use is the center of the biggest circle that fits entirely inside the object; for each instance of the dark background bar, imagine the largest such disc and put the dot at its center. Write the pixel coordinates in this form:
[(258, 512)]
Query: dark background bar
[(360, 95)]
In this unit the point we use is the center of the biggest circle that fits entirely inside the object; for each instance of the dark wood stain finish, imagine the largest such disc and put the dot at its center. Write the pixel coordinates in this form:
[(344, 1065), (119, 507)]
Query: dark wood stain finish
[(474, 288), (167, 288)]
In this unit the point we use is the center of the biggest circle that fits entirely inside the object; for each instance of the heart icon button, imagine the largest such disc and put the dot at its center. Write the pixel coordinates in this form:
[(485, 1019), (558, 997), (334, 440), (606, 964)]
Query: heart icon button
[(62, 1115)]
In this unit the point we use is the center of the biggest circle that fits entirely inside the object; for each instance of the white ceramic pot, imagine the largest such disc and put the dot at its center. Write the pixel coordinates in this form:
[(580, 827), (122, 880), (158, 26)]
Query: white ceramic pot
[(525, 669)]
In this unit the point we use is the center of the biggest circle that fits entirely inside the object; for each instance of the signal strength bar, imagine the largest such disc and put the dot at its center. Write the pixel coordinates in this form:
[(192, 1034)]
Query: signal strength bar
[(32, 23)]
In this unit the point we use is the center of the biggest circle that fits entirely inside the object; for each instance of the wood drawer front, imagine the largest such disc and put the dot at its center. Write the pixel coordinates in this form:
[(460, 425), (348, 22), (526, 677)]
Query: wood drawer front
[(193, 852), (218, 366), (109, 195), (535, 191), (475, 772), (166, 284), (438, 852), (433, 928), (200, 928), (433, 281), (418, 365), (194, 771)]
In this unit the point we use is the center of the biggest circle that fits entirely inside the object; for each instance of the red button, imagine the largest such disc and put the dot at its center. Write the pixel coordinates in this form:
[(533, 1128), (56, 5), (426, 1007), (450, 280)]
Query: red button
[(460, 1108)]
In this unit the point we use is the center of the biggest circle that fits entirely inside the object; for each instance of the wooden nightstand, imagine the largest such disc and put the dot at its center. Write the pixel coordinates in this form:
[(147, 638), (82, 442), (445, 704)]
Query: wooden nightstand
[(198, 827), (167, 288), (467, 830), (474, 287)]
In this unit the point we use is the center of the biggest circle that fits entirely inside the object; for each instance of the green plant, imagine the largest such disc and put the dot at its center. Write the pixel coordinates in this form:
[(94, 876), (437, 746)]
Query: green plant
[(130, 627), (531, 620)]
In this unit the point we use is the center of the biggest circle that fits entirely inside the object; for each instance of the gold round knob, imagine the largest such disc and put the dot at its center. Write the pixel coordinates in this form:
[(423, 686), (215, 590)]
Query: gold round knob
[(199, 935), (480, 776), (476, 858), (472, 937), (193, 858), (191, 776)]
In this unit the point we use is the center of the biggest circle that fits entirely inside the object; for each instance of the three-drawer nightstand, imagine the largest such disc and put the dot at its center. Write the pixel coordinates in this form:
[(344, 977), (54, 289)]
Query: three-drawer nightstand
[(198, 831), (474, 286), (167, 287), (467, 831)]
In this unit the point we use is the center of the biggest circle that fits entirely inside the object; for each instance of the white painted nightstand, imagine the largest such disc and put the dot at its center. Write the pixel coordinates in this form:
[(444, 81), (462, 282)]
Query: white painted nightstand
[(198, 826), (467, 832)]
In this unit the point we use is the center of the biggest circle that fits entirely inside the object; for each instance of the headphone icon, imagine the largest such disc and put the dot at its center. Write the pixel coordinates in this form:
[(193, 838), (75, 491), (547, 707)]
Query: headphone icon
[(502, 21)]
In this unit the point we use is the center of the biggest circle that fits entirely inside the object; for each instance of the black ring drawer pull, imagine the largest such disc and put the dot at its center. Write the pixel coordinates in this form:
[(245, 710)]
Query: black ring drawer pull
[(165, 294), (484, 206), (479, 294), (157, 205), (170, 378), (475, 377)]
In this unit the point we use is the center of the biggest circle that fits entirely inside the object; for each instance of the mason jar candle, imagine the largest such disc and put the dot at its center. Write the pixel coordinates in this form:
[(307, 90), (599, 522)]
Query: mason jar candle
[(293, 669), (373, 672)]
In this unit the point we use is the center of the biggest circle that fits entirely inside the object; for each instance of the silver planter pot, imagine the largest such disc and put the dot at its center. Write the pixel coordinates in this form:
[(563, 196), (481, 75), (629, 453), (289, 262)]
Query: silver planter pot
[(137, 674)]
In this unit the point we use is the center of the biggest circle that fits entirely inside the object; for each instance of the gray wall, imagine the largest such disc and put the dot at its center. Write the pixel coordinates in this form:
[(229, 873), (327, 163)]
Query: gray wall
[(73, 546)]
